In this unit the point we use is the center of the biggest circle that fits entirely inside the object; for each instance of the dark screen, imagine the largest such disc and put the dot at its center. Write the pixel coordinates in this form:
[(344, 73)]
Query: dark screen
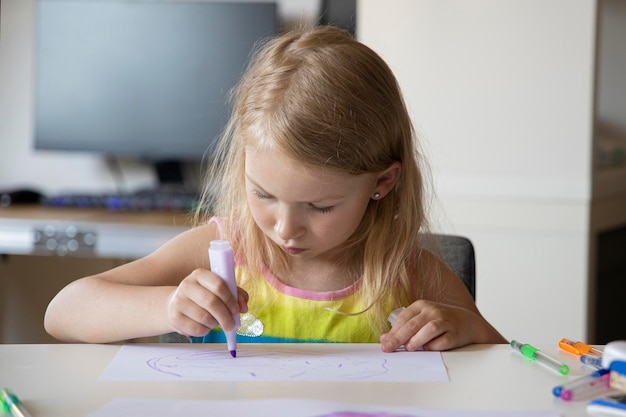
[(142, 79)]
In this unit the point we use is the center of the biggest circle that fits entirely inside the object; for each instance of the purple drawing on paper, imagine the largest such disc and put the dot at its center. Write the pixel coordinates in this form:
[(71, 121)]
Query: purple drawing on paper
[(364, 414), (282, 365)]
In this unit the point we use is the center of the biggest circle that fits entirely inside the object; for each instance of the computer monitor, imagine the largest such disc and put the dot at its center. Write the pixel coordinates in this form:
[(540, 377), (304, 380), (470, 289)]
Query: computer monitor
[(340, 13), (142, 79)]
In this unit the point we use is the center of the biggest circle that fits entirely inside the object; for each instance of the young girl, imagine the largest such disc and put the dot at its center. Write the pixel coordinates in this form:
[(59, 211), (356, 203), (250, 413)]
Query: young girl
[(317, 184)]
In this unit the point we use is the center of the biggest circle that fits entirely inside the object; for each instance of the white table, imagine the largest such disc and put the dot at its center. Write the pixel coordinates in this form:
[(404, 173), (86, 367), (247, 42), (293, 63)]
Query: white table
[(62, 380)]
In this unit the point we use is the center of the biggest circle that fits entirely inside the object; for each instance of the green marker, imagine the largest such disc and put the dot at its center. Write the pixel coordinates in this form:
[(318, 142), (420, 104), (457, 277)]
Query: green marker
[(536, 355), (12, 405)]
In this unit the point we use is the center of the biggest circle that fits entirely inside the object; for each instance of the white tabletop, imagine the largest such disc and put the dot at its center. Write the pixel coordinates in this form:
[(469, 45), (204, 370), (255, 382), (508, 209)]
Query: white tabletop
[(62, 380)]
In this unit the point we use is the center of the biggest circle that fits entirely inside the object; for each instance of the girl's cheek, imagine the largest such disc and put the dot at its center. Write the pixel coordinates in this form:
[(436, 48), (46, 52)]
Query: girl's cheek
[(261, 214)]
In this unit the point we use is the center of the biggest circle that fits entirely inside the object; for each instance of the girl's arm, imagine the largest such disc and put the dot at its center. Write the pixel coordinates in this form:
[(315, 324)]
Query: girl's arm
[(445, 318), (169, 290)]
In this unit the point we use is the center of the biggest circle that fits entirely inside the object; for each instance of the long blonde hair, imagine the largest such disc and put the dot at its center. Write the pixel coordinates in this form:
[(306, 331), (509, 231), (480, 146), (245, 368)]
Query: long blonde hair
[(323, 98)]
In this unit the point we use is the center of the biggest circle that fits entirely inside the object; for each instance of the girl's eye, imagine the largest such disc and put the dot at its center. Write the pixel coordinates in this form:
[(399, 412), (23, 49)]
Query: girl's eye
[(321, 209), (260, 195)]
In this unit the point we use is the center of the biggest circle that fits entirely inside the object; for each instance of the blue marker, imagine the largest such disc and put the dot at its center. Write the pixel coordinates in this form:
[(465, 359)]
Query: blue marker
[(612, 405), (591, 360)]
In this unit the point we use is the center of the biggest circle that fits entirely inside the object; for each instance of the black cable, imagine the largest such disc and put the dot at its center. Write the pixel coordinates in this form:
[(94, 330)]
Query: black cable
[(115, 168)]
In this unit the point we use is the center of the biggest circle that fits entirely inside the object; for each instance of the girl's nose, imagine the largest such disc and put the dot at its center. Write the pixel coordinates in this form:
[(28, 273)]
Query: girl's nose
[(287, 224)]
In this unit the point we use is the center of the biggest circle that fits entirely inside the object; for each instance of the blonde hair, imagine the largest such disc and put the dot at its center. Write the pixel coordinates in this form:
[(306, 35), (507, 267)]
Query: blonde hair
[(328, 100)]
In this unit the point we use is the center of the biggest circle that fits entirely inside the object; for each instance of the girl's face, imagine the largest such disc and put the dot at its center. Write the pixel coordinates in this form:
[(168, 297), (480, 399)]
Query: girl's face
[(306, 210)]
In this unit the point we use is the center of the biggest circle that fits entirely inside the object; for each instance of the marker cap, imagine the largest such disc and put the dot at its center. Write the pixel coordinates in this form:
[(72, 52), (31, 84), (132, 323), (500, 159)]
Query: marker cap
[(393, 316), (614, 351)]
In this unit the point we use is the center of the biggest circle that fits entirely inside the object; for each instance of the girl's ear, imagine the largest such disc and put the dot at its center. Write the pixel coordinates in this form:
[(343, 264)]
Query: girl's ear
[(387, 180)]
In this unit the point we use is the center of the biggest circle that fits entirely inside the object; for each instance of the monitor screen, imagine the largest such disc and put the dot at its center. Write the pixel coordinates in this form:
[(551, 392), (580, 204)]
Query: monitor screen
[(145, 79)]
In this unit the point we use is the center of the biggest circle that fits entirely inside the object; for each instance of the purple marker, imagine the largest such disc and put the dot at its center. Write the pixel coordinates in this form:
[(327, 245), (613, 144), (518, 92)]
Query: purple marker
[(223, 265)]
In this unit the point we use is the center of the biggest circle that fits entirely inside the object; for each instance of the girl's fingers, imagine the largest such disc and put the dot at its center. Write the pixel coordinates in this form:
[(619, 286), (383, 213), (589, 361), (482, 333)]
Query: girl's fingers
[(426, 335), (203, 301), (422, 325)]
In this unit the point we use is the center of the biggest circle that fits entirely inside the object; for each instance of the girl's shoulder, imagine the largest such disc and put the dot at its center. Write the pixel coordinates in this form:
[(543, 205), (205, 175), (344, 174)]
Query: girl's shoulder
[(189, 247), (201, 233)]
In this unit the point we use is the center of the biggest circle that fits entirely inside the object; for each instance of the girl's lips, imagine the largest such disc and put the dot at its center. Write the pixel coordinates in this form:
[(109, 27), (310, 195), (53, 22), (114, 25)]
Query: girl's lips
[(291, 251)]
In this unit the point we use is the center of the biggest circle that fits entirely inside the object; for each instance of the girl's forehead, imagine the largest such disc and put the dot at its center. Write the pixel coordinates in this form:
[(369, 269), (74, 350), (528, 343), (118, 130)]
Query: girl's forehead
[(276, 172), (270, 159)]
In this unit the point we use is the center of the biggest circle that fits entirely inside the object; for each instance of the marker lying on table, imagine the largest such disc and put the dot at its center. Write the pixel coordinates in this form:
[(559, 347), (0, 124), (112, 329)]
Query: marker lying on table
[(578, 348), (595, 383), (223, 265), (12, 405), (591, 360), (536, 355), (611, 405)]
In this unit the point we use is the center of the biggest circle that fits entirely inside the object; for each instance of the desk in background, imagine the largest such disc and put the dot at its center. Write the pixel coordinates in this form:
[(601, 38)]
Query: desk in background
[(99, 233), (45, 248), (62, 380)]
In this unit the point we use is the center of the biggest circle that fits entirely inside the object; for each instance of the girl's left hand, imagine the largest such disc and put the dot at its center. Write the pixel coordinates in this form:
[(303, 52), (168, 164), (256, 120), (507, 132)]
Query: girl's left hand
[(436, 326)]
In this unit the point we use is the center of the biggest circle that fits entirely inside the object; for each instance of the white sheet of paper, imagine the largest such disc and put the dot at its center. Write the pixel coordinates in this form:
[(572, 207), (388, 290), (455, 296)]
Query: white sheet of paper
[(275, 362), (292, 407)]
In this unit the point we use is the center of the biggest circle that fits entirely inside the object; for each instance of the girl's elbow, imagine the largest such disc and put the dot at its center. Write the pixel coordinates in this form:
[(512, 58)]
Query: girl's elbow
[(51, 322), (55, 325)]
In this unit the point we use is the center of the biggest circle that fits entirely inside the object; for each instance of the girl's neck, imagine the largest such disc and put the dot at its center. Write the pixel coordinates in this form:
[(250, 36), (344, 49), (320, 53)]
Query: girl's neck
[(318, 276)]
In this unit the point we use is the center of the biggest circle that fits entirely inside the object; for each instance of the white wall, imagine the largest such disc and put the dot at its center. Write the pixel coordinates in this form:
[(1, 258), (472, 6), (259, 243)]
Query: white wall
[(501, 92), (20, 164), (513, 78)]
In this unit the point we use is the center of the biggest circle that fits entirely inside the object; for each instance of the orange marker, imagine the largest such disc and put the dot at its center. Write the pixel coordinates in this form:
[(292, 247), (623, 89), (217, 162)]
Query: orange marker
[(578, 348)]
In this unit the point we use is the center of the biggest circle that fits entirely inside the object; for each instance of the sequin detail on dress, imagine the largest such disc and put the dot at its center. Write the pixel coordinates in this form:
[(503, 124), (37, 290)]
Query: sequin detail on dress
[(250, 326)]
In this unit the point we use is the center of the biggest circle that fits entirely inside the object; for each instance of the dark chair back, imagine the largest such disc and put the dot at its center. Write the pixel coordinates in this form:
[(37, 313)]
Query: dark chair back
[(458, 253)]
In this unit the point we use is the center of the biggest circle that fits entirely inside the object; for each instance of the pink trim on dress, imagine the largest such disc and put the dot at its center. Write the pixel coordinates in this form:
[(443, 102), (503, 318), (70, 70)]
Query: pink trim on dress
[(218, 222), (310, 295)]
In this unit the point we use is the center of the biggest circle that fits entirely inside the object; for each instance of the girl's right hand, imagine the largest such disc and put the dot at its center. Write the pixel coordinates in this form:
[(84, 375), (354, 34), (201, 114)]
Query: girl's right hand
[(203, 301)]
